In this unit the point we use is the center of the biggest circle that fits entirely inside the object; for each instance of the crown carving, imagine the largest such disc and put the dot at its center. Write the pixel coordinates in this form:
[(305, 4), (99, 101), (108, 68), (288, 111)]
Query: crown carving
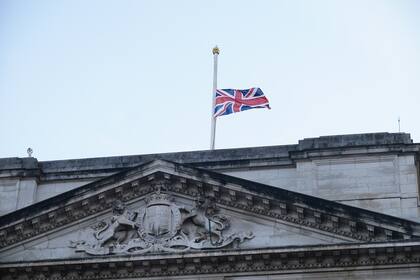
[(158, 198)]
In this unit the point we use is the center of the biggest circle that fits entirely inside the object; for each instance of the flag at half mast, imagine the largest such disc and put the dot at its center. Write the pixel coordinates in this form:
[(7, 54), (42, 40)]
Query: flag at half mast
[(228, 101)]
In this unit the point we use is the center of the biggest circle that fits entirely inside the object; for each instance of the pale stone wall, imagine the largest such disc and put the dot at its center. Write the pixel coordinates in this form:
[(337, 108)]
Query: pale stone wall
[(16, 194), (382, 183), (22, 192), (50, 189), (283, 177), (26, 189), (8, 195)]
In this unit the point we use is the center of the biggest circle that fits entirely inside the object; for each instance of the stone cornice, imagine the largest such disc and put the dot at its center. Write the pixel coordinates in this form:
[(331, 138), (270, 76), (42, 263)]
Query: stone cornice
[(337, 257), (19, 168), (320, 215)]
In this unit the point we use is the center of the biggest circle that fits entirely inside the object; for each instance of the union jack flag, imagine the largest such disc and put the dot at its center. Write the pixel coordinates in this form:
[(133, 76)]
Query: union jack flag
[(230, 101)]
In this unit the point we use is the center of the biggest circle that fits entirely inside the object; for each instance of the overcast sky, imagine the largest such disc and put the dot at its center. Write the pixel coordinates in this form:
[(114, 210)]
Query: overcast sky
[(101, 78)]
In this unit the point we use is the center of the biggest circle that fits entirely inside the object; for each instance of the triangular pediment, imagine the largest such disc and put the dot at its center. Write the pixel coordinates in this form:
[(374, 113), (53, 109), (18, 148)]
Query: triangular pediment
[(164, 222), (169, 207)]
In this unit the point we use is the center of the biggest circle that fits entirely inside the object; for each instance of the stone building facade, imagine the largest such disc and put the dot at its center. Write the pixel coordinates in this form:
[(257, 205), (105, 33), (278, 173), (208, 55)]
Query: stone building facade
[(333, 207)]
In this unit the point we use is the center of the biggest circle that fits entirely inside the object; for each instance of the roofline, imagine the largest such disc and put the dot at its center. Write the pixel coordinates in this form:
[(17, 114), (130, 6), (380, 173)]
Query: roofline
[(219, 159), (255, 187)]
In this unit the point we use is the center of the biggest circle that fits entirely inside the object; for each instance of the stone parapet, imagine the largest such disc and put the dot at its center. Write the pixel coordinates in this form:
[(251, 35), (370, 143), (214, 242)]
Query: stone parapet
[(352, 140), (19, 167), (284, 155)]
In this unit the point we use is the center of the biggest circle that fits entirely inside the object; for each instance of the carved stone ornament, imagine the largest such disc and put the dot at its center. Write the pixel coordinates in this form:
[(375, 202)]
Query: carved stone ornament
[(161, 226)]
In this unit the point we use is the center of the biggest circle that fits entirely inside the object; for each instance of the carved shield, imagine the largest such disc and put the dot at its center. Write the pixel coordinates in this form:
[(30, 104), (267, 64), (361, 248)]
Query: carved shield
[(158, 220)]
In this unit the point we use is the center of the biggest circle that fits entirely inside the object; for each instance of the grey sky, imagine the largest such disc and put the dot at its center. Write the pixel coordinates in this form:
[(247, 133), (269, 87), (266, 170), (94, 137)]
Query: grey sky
[(101, 78)]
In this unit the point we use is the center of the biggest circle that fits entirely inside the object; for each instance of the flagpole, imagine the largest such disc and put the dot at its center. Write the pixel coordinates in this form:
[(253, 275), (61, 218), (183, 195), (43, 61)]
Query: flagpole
[(213, 118)]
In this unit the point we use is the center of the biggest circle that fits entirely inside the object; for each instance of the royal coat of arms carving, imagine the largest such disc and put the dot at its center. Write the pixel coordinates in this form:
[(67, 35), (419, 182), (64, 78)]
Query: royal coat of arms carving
[(161, 226)]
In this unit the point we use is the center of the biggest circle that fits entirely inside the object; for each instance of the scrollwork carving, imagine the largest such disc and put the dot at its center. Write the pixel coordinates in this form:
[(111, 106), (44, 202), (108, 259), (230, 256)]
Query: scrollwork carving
[(160, 226)]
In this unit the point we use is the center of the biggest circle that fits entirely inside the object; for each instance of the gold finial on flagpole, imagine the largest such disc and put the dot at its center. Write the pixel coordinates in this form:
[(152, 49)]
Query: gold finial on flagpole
[(216, 50)]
